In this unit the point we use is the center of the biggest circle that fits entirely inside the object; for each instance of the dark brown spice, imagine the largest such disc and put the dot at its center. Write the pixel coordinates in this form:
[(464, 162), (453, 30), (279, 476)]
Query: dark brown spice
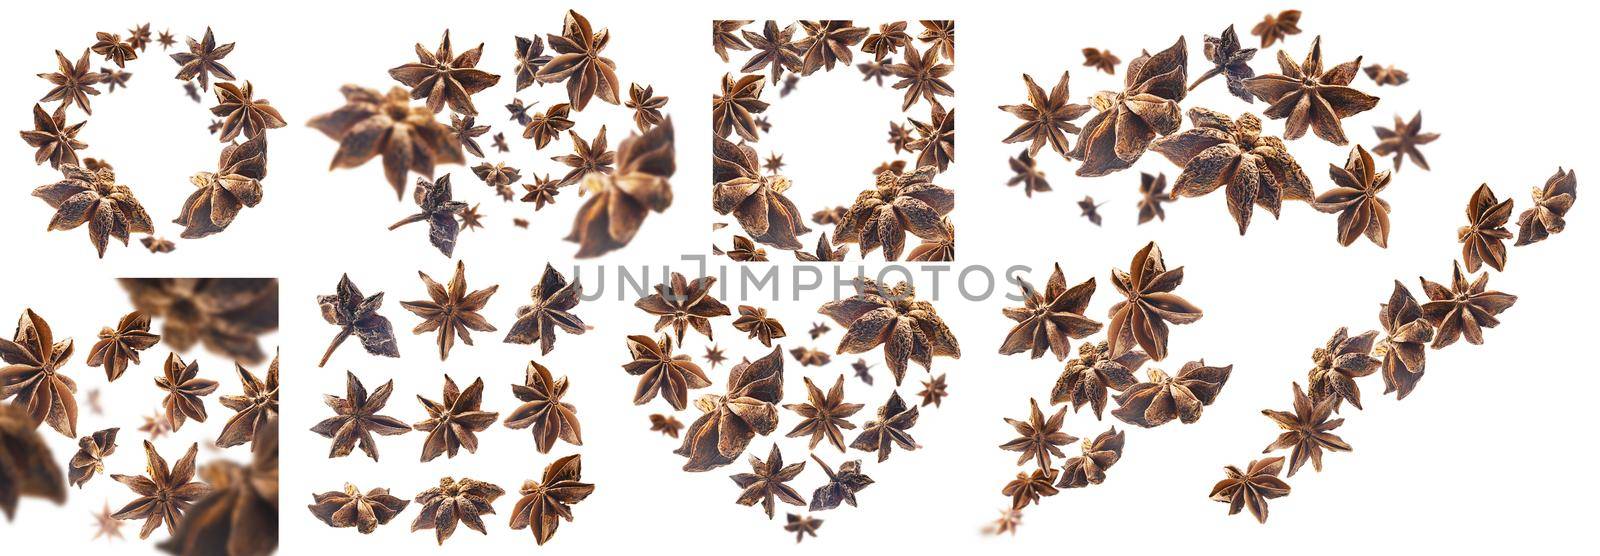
[(890, 429), (766, 482), (32, 377), (1047, 320), (1028, 174), (823, 416), (775, 50), (1402, 141), (745, 250), (1141, 319), (164, 493), (755, 322), (90, 458), (667, 425), (725, 36), (72, 83), (440, 210), (1099, 454), (578, 62), (684, 304), (553, 300), (1274, 28), (239, 516), (53, 139), (356, 419), (94, 198), (219, 196), (802, 526), (1090, 210), (452, 311), (1338, 363), (1463, 308), (542, 410), (1045, 118), (1128, 120), (733, 110), (547, 126), (757, 200), (586, 158), (619, 201), (897, 204), (356, 314), (407, 137), (26, 466), (1231, 61), (646, 106), (1355, 197), (827, 43), (541, 192), (242, 114), (226, 315), (933, 391), (1087, 377), (1028, 488), (519, 111), (841, 487), (351, 508), (1164, 398), (1102, 60), (444, 78), (1306, 431), (530, 58), (120, 346), (1152, 193), (1405, 348), (887, 41), (546, 502), (1038, 438), (453, 422), (922, 77), (936, 138), (184, 389), (1483, 238), (908, 329), (730, 422), (662, 372), (1219, 151), (465, 502), (204, 60)]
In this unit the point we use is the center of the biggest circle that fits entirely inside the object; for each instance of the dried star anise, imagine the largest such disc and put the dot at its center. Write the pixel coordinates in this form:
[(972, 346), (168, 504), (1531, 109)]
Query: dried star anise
[(922, 76), (1231, 61), (552, 302), (1028, 174), (166, 39), (499, 143), (471, 219), (239, 516), (451, 311), (95, 198), (111, 46), (33, 374), (541, 192), (121, 345), (1402, 141), (453, 423), (256, 407), (1028, 488), (1274, 28), (53, 139), (356, 314), (1045, 118), (1008, 522), (900, 137), (757, 200), (547, 126), (356, 419), (1404, 349), (909, 329), (825, 252), (351, 508), (1141, 319), (1102, 60), (936, 138), (1483, 238), (242, 114), (1128, 120), (530, 58), (184, 389), (802, 526), (1164, 398), (646, 106), (1311, 97), (204, 60), (1386, 75), (465, 502), (440, 210), (224, 314), (588, 157), (444, 78), (407, 137), (827, 43), (897, 204), (822, 416), (881, 435), (733, 110), (730, 422), (1038, 438), (1099, 455), (621, 199), (841, 487), (1153, 192), (1463, 309), (1047, 320), (542, 410), (1550, 205), (765, 483), (1306, 430), (1355, 197), (755, 322), (115, 78), (90, 458), (1338, 363), (1087, 377), (498, 177), (940, 34), (684, 304), (775, 50), (936, 250), (1090, 210), (662, 372), (1252, 488), (164, 493), (72, 83), (887, 41), (667, 425), (579, 63), (1257, 170), (544, 504), (874, 70), (519, 111), (724, 36), (863, 370), (219, 196), (26, 466), (745, 250), (933, 391)]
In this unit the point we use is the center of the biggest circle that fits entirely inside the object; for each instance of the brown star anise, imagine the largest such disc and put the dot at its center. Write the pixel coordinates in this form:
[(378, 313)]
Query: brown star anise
[(755, 322), (874, 71), (242, 114), (1311, 97), (1045, 118), (552, 302), (498, 177), (730, 422), (684, 304), (757, 200), (1230, 61), (802, 526), (733, 110), (1402, 141), (1028, 174), (544, 504), (219, 196), (940, 34), (444, 78), (1483, 238), (841, 487), (827, 43), (1038, 438), (95, 198), (543, 411), (408, 137), (1047, 320), (351, 508), (1386, 75), (646, 106), (745, 250), (908, 329), (1463, 309), (239, 516), (1164, 398), (775, 50), (184, 389), (451, 311), (471, 219), (1028, 488), (1008, 522), (72, 83), (356, 419), (765, 483), (1090, 210), (1307, 430), (662, 372), (881, 435), (936, 138), (822, 416), (1141, 319), (899, 203), (256, 408), (541, 192), (1102, 60), (164, 493), (1274, 28), (111, 46), (922, 76), (1252, 488), (1087, 377), (121, 345), (115, 79), (621, 199), (825, 252), (1355, 197), (90, 458), (1405, 347), (440, 210), (166, 39), (1217, 152), (887, 41), (587, 157), (579, 63), (724, 36), (1339, 363), (530, 58), (547, 126), (53, 139), (1099, 455), (204, 60), (1128, 120), (1550, 205), (454, 423), (1152, 193), (465, 502), (357, 315), (667, 425)]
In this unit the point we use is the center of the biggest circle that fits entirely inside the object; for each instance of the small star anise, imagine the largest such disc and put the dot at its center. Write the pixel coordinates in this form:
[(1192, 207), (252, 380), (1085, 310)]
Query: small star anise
[(541, 192), (802, 526), (453, 422), (443, 78), (1038, 438), (1274, 28), (53, 139), (1090, 210), (164, 493), (204, 60), (121, 345), (1099, 455), (498, 177), (547, 126), (1311, 97), (579, 63), (1230, 61), (733, 110), (1102, 60), (646, 106), (1402, 141), (1047, 320), (184, 389), (933, 391), (219, 196), (1028, 174), (530, 58), (1338, 363), (542, 410), (940, 34), (1045, 118), (115, 78), (357, 315), (900, 137), (1355, 197), (895, 418), (1252, 488), (90, 458), (588, 157), (519, 111), (440, 210), (667, 425), (874, 71), (72, 83), (1483, 238), (1550, 205), (166, 39), (471, 219), (1028, 488), (824, 415), (1306, 431), (746, 250), (936, 138), (775, 50), (256, 407), (356, 419), (825, 252), (139, 36), (1152, 193), (897, 204), (1164, 398), (755, 322), (765, 483), (1386, 75)]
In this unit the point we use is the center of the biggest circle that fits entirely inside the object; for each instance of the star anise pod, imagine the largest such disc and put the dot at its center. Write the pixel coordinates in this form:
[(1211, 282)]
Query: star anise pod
[(933, 391), (1028, 174), (1463, 308), (1038, 438), (156, 426), (541, 192), (1090, 210), (357, 315), (552, 302), (822, 416), (1402, 141), (901, 137), (471, 219), (33, 374), (356, 419), (166, 39), (775, 50), (239, 516), (107, 526), (191, 91), (90, 458), (256, 407), (940, 34), (543, 411), (662, 372), (226, 315), (667, 425), (440, 210), (164, 493), (219, 196), (1355, 197), (53, 139), (588, 157), (827, 43), (530, 58), (730, 422), (774, 163), (1483, 238), (874, 71), (1152, 193), (936, 138), (72, 83), (499, 143), (899, 203), (684, 304), (111, 46), (1306, 430), (547, 126), (1128, 120), (451, 311), (1311, 97), (887, 41), (95, 198), (204, 60), (1218, 151), (1404, 349), (922, 76), (1274, 28), (830, 216), (579, 63), (1164, 398), (765, 483), (26, 466), (909, 329), (1102, 60), (1045, 118), (444, 78), (802, 526), (936, 250), (1339, 363), (465, 502), (184, 389), (646, 106), (1386, 75), (408, 137), (139, 37), (733, 110), (746, 251), (1141, 319), (1047, 320), (1231, 61), (881, 435), (242, 114), (1028, 488), (757, 200), (755, 322), (1099, 455), (1088, 376), (841, 487), (453, 422), (621, 199), (544, 504), (115, 78), (825, 252), (1550, 205), (121, 345), (724, 36), (351, 508), (1252, 488), (1008, 522)]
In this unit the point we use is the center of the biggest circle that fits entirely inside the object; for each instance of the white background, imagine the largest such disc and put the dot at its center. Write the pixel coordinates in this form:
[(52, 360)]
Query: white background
[(1486, 454)]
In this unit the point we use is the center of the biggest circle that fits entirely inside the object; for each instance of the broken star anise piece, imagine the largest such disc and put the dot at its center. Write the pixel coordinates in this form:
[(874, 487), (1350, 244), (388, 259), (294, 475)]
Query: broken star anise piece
[(881, 435), (620, 200), (553, 299), (440, 210), (1090, 210), (90, 458), (841, 487), (1550, 205), (1311, 97), (204, 60), (684, 304), (451, 311), (1405, 348), (1251, 488), (546, 502), (357, 315), (226, 315), (755, 322), (256, 408), (1045, 118), (1355, 197), (1463, 308), (443, 78), (351, 508), (1128, 120), (33, 374), (120, 346), (164, 493), (453, 423), (407, 137), (1164, 398), (1483, 238), (1087, 377), (1099, 455), (1028, 488), (1275, 28), (908, 329), (219, 196), (1038, 438), (1218, 151), (662, 372), (755, 199), (542, 410), (184, 389), (94, 197), (898, 204), (1047, 320), (1140, 320), (1402, 141), (1338, 364), (452, 502), (578, 62), (1306, 430), (766, 482), (356, 419), (730, 422), (822, 416)]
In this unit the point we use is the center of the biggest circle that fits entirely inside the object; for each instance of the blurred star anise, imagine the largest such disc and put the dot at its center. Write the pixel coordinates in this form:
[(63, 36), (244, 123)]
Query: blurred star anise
[(239, 516), (409, 139), (1102, 60), (226, 315), (1152, 193), (1274, 28), (1402, 141), (620, 199), (1386, 75), (26, 466), (1028, 174), (120, 346)]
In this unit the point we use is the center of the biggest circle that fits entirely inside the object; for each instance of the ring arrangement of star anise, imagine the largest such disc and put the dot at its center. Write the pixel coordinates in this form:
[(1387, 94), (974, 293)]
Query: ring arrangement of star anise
[(89, 194), (904, 195), (624, 175)]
